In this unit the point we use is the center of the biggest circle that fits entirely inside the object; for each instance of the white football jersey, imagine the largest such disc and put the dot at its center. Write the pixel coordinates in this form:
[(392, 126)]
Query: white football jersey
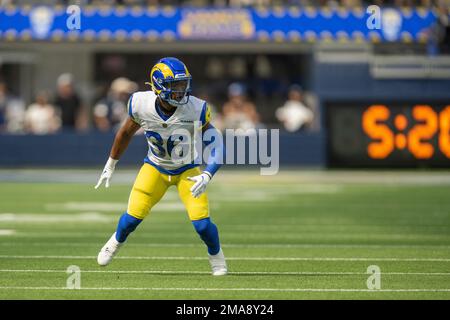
[(170, 151)]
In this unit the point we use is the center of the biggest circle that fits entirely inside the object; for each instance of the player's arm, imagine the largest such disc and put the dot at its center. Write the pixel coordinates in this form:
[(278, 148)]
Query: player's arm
[(123, 138), (215, 158), (121, 141)]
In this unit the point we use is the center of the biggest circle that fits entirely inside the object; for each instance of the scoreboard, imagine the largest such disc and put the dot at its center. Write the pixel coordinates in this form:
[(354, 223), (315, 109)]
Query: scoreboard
[(388, 134)]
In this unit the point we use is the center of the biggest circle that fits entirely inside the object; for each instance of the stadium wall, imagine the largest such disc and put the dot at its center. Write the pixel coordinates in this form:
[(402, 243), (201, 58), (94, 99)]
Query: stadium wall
[(81, 150), (360, 84)]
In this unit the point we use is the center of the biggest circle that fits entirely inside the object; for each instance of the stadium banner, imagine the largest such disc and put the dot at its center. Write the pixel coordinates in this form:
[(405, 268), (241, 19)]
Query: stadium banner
[(276, 24)]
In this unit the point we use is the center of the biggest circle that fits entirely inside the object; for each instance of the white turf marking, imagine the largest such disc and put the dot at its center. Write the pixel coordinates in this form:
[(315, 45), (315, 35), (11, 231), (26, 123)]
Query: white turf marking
[(293, 236), (87, 206), (232, 258), (4, 232), (110, 206), (49, 218), (235, 245), (237, 194), (293, 273), (228, 289)]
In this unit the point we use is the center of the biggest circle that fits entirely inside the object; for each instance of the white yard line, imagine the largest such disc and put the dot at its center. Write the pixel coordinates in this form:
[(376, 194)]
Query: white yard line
[(234, 245), (291, 235), (293, 273), (7, 232), (111, 206), (225, 289), (55, 218), (232, 258)]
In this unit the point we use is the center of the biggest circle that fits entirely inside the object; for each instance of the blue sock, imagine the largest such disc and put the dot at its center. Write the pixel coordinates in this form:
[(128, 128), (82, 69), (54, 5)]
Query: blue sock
[(127, 224), (208, 233)]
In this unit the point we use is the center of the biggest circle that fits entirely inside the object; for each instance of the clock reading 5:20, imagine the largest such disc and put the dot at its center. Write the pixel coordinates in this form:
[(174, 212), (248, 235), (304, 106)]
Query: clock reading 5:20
[(416, 140)]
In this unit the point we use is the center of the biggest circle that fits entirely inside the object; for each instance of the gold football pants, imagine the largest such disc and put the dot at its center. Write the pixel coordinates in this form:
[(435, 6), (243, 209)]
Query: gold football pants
[(150, 186)]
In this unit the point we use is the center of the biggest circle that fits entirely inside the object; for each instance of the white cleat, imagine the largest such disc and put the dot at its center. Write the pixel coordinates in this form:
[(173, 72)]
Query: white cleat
[(108, 251), (218, 264)]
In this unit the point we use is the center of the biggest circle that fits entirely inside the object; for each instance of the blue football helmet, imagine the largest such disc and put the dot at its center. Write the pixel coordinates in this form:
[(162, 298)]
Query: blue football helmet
[(171, 81)]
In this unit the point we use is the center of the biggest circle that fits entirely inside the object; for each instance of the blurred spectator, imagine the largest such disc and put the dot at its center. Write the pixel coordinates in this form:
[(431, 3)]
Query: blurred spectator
[(294, 114), (351, 3), (3, 106), (111, 111), (12, 111), (41, 117), (69, 103), (238, 112), (216, 118), (230, 3)]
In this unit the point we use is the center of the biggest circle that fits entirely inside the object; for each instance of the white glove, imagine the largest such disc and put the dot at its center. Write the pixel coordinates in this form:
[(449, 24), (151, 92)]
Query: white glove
[(107, 172), (201, 181)]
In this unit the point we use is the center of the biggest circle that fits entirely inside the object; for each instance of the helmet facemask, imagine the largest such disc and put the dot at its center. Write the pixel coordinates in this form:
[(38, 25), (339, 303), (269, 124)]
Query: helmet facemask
[(176, 91)]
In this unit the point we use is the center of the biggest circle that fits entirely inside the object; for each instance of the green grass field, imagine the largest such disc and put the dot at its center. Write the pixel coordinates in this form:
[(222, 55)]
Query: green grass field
[(297, 235)]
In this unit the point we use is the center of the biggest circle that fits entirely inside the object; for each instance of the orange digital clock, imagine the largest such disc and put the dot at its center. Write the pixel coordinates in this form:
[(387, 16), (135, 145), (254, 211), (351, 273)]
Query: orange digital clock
[(414, 137), (388, 134)]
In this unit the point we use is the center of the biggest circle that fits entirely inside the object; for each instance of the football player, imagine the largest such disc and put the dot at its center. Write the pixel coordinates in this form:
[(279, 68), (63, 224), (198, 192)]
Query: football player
[(168, 107)]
